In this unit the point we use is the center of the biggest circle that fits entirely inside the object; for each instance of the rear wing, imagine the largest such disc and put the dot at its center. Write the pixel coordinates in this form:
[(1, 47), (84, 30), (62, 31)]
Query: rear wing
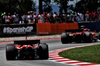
[(75, 30), (27, 42)]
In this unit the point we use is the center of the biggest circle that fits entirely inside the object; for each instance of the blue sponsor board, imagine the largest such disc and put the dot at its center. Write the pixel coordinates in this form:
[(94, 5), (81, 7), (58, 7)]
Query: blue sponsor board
[(17, 30), (90, 25)]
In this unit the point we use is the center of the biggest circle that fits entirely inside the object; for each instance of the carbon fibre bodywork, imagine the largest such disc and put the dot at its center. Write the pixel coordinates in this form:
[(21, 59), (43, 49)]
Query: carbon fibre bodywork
[(27, 49), (81, 35)]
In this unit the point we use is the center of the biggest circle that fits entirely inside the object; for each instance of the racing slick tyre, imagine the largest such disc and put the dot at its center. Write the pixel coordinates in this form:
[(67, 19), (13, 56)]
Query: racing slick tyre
[(65, 38), (87, 37), (95, 39), (10, 52), (43, 51), (99, 36)]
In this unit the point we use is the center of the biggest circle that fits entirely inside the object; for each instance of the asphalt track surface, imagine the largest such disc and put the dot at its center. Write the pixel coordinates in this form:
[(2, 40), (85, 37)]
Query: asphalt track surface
[(53, 45)]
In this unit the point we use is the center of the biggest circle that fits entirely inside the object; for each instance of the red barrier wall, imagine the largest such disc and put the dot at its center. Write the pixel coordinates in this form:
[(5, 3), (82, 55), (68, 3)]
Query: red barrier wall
[(58, 28), (43, 28), (54, 28)]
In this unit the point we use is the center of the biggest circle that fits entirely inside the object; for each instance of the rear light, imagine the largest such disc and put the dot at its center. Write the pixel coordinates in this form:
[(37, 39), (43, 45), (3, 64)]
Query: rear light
[(18, 47), (30, 57), (29, 46)]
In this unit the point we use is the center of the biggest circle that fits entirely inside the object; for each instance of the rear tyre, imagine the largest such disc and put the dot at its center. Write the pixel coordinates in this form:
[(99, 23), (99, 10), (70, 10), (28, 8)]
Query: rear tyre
[(65, 38), (95, 39), (88, 37), (99, 36), (43, 51), (10, 52)]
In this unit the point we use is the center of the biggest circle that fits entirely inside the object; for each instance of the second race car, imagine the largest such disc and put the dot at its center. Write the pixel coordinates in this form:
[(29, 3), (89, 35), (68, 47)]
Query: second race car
[(80, 35)]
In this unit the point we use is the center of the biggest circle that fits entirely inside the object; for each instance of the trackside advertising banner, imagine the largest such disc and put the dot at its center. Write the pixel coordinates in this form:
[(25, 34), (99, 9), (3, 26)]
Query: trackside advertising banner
[(21, 29)]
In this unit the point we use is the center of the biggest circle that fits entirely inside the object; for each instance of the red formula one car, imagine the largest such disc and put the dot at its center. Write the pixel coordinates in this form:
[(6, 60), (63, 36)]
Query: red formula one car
[(27, 49), (80, 35)]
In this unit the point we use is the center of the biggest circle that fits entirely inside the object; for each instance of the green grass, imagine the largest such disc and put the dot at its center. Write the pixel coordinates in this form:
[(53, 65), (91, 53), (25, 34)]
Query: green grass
[(86, 54)]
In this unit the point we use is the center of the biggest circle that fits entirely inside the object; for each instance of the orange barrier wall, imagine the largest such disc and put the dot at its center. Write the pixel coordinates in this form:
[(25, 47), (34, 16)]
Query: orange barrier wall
[(58, 28), (73, 25), (54, 28), (43, 28), (62, 27)]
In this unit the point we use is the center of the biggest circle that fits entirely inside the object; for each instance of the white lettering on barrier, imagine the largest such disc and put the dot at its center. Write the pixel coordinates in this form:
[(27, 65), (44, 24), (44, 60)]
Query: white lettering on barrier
[(17, 29)]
